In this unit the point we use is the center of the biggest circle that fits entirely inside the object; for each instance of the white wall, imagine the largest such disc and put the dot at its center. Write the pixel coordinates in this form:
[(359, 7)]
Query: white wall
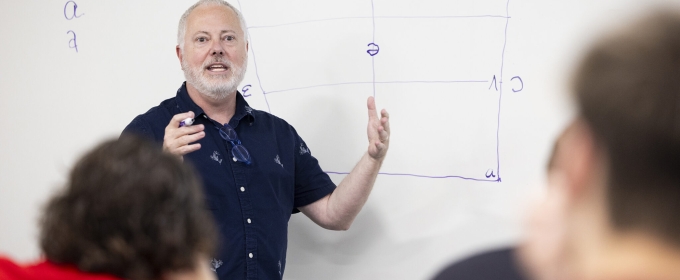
[(55, 103)]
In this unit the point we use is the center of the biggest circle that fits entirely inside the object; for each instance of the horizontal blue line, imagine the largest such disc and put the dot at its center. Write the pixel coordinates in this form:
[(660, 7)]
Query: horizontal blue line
[(391, 82), (424, 176), (378, 17)]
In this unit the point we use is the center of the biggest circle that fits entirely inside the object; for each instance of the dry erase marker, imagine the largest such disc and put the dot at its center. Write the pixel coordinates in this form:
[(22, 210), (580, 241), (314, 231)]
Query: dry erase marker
[(186, 122)]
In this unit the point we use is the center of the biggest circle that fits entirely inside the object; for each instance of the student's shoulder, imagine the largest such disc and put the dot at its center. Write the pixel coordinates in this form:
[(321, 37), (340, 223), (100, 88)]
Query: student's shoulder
[(8, 267), (496, 264)]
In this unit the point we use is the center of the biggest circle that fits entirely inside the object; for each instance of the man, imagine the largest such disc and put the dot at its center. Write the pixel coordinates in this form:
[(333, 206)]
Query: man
[(129, 211), (612, 209), (256, 169)]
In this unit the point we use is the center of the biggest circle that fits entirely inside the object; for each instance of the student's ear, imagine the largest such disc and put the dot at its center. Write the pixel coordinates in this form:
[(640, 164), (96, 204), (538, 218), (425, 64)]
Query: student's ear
[(577, 159)]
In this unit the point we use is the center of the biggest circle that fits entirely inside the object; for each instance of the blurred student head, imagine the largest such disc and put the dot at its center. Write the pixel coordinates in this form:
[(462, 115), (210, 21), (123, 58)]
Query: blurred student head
[(131, 211), (612, 207)]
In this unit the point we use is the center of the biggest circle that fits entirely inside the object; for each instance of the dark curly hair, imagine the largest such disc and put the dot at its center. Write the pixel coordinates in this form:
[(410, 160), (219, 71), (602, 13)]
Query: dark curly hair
[(128, 210)]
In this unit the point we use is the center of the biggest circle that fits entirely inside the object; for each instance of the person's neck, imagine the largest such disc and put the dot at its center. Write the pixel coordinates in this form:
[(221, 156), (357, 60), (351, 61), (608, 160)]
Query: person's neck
[(603, 253), (218, 110)]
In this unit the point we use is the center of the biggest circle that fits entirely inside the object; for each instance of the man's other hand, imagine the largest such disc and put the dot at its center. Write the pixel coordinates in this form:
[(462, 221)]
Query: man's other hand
[(177, 140)]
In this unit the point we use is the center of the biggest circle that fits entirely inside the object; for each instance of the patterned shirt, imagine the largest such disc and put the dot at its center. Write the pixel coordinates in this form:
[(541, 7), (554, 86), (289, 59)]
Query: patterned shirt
[(251, 203)]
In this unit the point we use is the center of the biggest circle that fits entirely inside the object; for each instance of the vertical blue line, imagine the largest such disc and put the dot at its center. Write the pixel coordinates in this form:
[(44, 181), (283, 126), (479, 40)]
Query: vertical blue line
[(257, 73), (373, 57), (259, 82), (373, 17), (500, 95), (373, 66)]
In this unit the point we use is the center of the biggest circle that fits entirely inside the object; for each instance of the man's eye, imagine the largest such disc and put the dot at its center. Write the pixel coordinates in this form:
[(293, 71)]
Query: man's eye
[(201, 39), (229, 38)]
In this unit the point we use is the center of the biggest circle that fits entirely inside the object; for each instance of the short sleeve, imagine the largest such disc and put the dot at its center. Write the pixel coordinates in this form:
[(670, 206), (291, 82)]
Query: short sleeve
[(311, 183)]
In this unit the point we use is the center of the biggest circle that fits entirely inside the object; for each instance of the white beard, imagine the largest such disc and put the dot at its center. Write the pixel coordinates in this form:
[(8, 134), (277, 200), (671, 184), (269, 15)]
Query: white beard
[(216, 88)]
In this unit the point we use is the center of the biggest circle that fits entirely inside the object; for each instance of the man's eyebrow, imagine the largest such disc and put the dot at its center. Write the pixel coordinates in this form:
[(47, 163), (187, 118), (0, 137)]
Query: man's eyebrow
[(208, 33)]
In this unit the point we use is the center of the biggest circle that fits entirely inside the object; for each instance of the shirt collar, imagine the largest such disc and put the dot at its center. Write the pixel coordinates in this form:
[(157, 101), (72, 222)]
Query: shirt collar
[(243, 110), (185, 103)]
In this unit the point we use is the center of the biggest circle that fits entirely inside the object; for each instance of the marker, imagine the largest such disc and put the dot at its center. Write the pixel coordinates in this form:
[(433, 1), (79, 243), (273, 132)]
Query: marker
[(186, 122)]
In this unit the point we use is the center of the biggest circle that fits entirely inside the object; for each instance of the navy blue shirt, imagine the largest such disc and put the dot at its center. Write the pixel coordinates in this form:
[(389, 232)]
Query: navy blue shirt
[(251, 203)]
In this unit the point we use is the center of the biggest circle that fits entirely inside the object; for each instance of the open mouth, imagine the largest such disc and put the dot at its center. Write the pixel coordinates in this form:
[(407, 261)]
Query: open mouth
[(217, 67)]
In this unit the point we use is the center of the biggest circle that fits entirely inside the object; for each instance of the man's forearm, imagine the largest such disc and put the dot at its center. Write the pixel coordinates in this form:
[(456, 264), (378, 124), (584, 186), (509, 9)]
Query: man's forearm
[(351, 194), (337, 210)]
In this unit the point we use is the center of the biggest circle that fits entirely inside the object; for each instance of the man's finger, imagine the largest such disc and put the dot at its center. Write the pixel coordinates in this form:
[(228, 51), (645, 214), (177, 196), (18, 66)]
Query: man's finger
[(174, 122), (188, 149), (172, 134), (385, 121), (384, 136), (186, 130), (372, 113), (190, 138), (380, 146)]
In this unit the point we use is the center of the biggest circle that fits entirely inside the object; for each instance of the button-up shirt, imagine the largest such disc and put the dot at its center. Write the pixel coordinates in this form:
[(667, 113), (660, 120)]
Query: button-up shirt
[(251, 203)]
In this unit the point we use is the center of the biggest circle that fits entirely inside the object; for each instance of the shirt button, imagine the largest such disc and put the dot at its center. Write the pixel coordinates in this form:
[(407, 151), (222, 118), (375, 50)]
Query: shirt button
[(205, 117), (249, 221), (250, 255), (243, 189), (234, 158)]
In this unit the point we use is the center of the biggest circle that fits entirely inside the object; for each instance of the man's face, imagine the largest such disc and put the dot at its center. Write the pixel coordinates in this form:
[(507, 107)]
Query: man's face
[(215, 51)]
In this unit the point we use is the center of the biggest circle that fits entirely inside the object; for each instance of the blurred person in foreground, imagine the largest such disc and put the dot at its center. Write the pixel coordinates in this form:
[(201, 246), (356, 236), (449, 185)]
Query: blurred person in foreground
[(611, 211), (129, 211), (498, 263)]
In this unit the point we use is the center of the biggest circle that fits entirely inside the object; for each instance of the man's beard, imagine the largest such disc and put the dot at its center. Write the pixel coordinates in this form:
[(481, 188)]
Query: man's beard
[(216, 88)]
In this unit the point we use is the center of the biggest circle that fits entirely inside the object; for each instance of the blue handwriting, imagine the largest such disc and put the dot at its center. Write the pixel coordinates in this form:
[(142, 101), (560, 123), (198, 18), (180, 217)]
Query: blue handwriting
[(521, 83)]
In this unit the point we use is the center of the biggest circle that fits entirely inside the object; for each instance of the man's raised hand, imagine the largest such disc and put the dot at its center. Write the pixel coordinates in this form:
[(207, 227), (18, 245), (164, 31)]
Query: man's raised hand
[(378, 131)]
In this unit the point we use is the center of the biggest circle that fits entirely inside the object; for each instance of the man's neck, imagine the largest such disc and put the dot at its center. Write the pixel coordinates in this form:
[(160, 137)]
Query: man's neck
[(629, 256), (218, 110)]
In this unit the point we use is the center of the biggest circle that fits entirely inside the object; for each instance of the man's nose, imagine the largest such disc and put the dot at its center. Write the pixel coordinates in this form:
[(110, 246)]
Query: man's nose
[(217, 48)]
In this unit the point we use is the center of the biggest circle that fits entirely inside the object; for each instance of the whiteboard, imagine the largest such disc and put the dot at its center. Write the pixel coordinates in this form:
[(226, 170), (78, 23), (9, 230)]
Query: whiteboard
[(477, 91)]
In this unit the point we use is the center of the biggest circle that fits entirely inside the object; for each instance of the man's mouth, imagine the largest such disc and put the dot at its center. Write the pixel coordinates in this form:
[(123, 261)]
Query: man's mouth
[(217, 67)]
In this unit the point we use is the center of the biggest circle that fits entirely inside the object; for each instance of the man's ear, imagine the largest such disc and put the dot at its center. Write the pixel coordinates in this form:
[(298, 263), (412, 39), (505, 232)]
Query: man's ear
[(179, 54), (577, 159)]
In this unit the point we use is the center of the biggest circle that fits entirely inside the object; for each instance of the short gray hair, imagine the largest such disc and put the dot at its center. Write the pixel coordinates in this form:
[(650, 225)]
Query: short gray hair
[(182, 28)]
